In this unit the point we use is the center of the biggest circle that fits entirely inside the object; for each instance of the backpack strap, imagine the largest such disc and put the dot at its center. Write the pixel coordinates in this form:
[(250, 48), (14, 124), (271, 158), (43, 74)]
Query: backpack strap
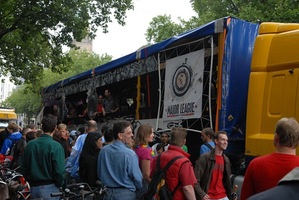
[(208, 145), (167, 166), (11, 139)]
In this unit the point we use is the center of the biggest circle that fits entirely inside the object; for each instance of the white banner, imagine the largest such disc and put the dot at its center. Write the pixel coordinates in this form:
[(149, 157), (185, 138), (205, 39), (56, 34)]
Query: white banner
[(183, 86)]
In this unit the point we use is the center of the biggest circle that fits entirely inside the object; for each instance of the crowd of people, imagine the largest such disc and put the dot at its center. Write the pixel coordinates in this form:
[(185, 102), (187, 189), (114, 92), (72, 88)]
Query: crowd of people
[(126, 163)]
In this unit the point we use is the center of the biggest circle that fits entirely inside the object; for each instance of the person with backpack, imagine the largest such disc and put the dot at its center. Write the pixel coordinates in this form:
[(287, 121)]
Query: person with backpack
[(179, 176), (4, 134), (18, 149), (13, 137), (207, 136)]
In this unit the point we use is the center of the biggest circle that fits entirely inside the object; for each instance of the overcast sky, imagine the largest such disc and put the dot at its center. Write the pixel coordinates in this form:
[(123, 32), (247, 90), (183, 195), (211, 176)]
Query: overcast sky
[(121, 41)]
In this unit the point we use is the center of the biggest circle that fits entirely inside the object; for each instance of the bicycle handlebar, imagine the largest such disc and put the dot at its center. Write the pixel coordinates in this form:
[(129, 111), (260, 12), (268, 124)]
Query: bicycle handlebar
[(100, 189), (58, 194)]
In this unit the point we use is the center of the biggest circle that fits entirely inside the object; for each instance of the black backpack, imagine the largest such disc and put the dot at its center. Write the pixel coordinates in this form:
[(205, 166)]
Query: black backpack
[(158, 188), (12, 147)]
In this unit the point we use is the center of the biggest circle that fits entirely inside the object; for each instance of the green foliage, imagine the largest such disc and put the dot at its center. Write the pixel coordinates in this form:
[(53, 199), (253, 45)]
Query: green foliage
[(257, 11), (162, 28), (81, 62), (33, 33), (23, 101), (167, 28), (251, 10), (27, 98)]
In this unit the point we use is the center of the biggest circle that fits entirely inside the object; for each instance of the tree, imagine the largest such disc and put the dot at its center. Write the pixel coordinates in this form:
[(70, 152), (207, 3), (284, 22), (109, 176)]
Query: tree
[(33, 33), (167, 28), (81, 62), (251, 10), (27, 98), (162, 28), (256, 11), (24, 101)]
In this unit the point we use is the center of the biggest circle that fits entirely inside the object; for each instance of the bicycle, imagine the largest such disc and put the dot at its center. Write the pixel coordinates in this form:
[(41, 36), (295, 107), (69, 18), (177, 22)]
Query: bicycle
[(81, 191), (15, 183)]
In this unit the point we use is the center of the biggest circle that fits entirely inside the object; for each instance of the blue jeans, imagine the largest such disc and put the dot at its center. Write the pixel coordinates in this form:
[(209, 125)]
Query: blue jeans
[(120, 194), (44, 191)]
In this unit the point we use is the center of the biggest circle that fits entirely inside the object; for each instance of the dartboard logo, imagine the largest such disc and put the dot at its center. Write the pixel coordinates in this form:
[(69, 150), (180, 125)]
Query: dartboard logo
[(182, 79)]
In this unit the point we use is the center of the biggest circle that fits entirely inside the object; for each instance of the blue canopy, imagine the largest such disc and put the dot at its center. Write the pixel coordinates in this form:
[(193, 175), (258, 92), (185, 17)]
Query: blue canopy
[(194, 34)]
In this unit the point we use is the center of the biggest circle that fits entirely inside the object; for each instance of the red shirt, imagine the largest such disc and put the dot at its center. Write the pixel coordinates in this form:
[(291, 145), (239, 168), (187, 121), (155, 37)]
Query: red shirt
[(180, 171), (100, 108), (216, 188), (264, 172)]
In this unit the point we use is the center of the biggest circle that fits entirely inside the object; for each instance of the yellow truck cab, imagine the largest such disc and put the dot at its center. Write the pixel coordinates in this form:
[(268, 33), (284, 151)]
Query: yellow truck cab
[(6, 115), (273, 85)]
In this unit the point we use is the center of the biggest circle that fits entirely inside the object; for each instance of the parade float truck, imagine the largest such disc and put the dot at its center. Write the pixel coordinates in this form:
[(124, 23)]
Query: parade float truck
[(229, 75)]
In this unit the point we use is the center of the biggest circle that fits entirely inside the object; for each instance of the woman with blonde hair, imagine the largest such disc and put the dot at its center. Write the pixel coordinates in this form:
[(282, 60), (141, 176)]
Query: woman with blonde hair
[(144, 136)]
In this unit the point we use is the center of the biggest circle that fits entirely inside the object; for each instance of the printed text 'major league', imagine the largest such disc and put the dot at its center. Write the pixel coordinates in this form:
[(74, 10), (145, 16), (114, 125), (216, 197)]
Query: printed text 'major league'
[(183, 108)]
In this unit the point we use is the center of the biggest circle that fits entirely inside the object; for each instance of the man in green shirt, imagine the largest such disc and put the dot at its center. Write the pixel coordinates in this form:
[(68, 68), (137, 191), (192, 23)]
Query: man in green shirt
[(42, 162)]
